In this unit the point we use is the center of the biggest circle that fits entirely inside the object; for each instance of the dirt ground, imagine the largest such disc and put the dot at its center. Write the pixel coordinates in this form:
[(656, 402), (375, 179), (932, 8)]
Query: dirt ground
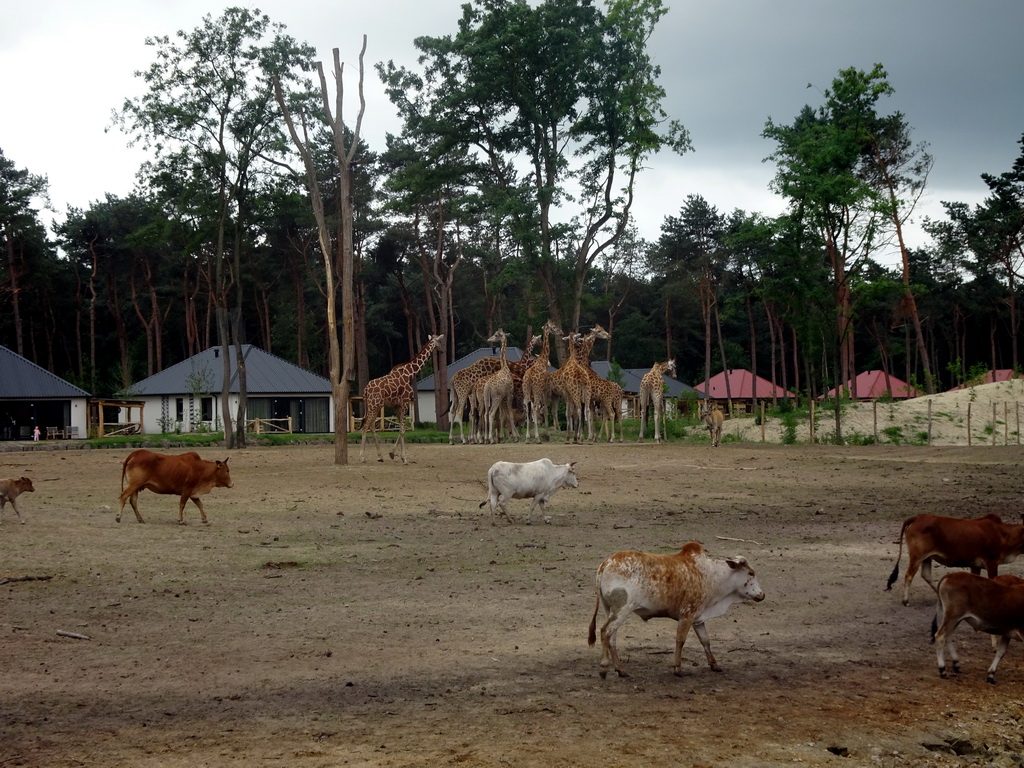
[(372, 615)]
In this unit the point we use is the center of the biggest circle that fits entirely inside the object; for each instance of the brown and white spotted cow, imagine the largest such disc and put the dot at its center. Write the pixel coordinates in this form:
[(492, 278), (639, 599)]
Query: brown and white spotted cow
[(185, 475), (687, 586), (986, 542), (995, 606), (10, 489)]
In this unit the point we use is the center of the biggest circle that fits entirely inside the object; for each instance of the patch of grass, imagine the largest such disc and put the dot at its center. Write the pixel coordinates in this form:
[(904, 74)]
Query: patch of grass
[(894, 435)]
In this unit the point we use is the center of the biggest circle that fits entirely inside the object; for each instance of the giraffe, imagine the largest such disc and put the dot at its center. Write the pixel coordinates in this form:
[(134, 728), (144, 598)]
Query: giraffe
[(498, 395), (462, 384), (602, 391), (393, 390), (537, 384), (572, 384), (652, 390)]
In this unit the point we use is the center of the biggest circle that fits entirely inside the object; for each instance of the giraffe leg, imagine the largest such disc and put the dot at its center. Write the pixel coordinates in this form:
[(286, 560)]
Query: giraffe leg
[(402, 410)]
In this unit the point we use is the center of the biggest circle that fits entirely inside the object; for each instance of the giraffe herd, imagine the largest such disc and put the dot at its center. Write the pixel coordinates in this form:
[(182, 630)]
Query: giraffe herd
[(495, 395)]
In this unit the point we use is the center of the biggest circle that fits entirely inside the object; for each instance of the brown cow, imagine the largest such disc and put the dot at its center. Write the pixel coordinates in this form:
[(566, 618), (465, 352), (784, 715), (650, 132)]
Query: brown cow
[(986, 543), (687, 586), (10, 489), (995, 606), (185, 475)]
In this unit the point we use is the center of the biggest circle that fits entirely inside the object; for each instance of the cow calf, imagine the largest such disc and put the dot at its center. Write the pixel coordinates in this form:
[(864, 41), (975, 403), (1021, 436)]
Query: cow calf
[(687, 586), (995, 606), (10, 489)]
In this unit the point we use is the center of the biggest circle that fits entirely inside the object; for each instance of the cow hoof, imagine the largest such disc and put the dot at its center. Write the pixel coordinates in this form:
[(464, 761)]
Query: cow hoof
[(991, 679), (182, 522), (604, 674), (956, 668), (942, 672), (905, 602)]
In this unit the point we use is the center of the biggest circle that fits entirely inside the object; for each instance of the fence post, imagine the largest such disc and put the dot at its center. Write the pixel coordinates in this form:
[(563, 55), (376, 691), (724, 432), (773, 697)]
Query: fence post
[(929, 421), (969, 441)]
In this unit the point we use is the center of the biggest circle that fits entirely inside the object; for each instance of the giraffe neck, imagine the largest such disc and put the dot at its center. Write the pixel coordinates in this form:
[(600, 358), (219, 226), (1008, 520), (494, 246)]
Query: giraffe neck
[(413, 366), (545, 350)]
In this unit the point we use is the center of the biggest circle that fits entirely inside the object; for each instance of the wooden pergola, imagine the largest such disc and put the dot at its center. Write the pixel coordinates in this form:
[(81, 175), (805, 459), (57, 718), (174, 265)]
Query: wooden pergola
[(98, 427)]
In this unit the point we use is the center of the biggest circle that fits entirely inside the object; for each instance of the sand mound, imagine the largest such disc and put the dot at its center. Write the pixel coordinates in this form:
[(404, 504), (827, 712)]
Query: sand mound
[(981, 415)]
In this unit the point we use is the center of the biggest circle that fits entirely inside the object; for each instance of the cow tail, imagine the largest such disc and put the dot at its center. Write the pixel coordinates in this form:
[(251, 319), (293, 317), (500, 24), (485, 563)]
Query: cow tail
[(124, 470), (592, 633), (896, 569)]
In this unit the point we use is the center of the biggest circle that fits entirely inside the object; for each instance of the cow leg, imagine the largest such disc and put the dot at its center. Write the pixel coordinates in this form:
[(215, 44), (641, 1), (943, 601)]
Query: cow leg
[(702, 634), (1004, 643), (685, 622), (14, 505), (610, 652), (538, 503), (926, 574), (131, 493), (202, 511), (944, 643), (912, 567)]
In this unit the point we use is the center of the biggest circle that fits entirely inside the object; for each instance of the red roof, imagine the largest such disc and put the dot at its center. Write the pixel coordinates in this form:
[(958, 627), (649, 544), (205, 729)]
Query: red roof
[(1000, 374), (872, 385), (741, 386)]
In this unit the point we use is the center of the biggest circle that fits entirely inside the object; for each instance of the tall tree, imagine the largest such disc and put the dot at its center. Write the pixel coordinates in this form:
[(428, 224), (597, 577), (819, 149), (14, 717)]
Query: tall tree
[(19, 226), (345, 141), (562, 103), (821, 160), (209, 114)]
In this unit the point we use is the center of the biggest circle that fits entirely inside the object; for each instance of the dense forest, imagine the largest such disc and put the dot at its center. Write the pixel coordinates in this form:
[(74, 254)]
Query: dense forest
[(504, 201)]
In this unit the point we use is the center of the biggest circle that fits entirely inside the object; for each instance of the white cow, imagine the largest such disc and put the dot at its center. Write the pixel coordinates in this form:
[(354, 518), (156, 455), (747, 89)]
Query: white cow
[(538, 480), (687, 586)]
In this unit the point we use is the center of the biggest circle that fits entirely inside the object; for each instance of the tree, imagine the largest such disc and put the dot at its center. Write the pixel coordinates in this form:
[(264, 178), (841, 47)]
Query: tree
[(561, 103), (994, 232), (210, 116), (345, 146), (19, 228), (821, 160)]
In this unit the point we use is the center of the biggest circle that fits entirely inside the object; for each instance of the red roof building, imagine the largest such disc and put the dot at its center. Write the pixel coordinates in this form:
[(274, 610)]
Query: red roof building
[(741, 386), (871, 385), (1000, 374)]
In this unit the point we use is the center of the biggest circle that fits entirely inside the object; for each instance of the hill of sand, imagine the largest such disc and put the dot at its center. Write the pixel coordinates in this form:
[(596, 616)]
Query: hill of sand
[(985, 414)]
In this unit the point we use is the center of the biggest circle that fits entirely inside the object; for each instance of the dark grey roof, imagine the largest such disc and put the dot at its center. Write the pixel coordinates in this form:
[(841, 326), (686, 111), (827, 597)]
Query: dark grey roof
[(265, 374), (21, 378), (631, 379), (511, 353)]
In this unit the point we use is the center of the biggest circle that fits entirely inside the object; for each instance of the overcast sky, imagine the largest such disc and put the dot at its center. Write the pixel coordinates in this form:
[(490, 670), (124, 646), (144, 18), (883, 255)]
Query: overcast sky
[(727, 65)]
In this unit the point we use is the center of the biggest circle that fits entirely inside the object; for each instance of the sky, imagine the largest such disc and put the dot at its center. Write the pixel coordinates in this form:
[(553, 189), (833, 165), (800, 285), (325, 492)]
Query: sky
[(727, 66)]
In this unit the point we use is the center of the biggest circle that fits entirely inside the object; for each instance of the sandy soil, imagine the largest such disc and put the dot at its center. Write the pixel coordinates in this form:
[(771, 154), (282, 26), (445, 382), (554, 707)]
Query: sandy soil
[(372, 615), (988, 414)]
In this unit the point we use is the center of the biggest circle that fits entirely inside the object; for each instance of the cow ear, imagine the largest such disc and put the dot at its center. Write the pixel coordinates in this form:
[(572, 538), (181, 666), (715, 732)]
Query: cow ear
[(736, 562), (572, 466)]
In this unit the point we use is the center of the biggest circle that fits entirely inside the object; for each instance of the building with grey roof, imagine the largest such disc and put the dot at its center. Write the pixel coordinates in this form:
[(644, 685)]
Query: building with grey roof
[(186, 397), (425, 388), (31, 396)]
